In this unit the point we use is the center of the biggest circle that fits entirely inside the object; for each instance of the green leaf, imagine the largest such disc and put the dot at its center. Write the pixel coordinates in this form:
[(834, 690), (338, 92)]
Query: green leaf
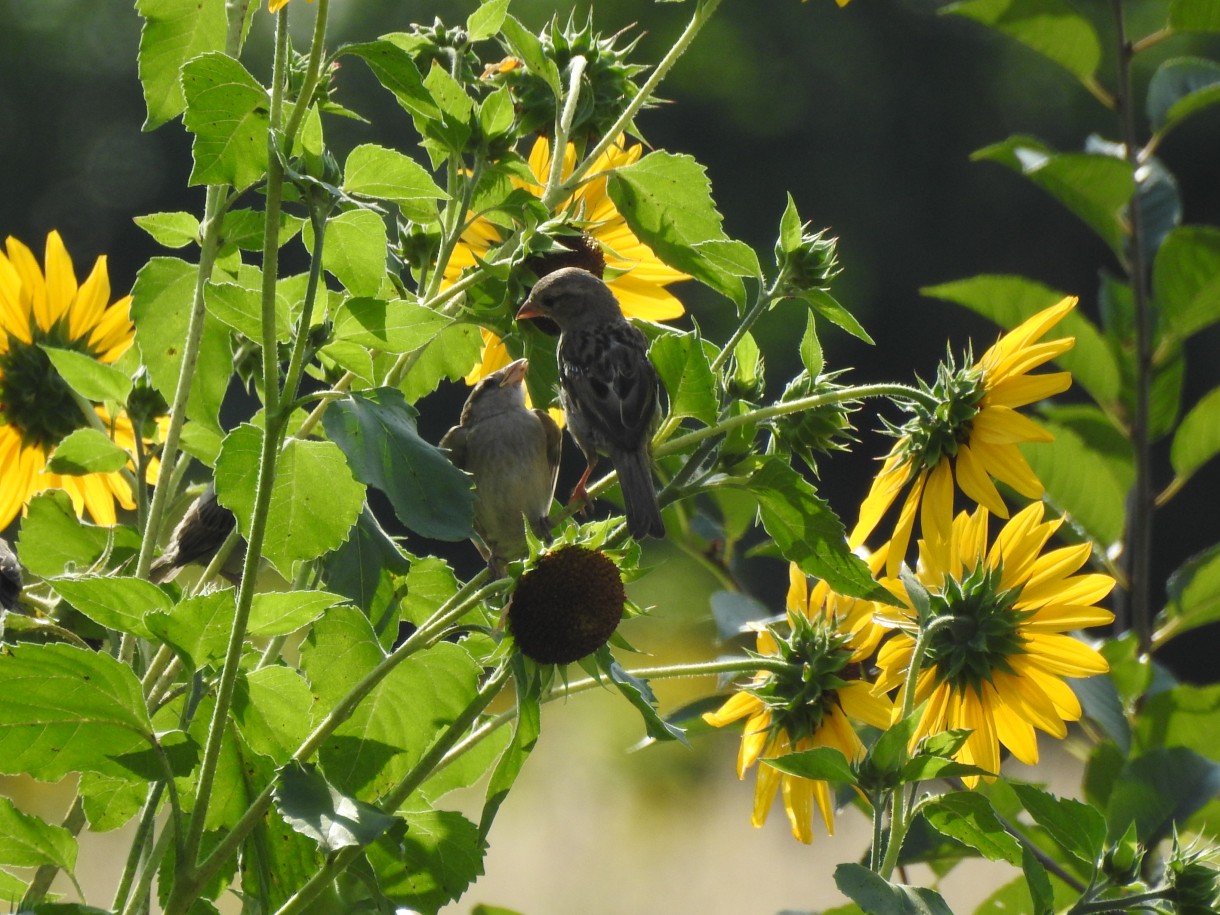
[(355, 250), (355, 569), (1197, 439), (1160, 789), (969, 818), (457, 111), (241, 308), (228, 111), (496, 115), (68, 710), (451, 354), (877, 896), (396, 71), (1095, 187), (1103, 706), (1052, 28), (52, 539), (1009, 300), (791, 230), (394, 326), (1181, 717), (640, 695), (115, 603), (889, 753), (666, 200), (487, 19), (160, 307), (1194, 16), (682, 362), (376, 430), (26, 841), (172, 230), (811, 349), (1087, 470), (1038, 882), (314, 500), (1194, 595), (1078, 828), (433, 864), (808, 532), (828, 307), (527, 46), (198, 628), (174, 32), (271, 707), (390, 730), (923, 768), (316, 809), (283, 612), (90, 379), (87, 451), (469, 768), (826, 764), (1186, 279), (1179, 88), (246, 229), (383, 174), (110, 802)]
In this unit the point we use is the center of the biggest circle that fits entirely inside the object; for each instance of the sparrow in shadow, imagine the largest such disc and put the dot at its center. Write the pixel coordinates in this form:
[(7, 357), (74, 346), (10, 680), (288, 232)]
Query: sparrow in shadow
[(608, 387), (513, 454), (200, 533), (10, 576)]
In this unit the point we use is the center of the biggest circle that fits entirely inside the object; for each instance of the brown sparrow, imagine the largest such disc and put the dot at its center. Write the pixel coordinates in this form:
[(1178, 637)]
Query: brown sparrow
[(513, 454), (608, 386), (200, 533)]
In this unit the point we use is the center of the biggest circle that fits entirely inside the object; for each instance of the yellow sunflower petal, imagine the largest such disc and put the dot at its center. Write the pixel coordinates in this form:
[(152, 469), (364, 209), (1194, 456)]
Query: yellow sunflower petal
[(858, 701), (798, 590), (1064, 655), (1065, 703), (1079, 589), (61, 278), (904, 526), (738, 706), (1025, 694), (91, 300), (974, 481), (765, 787), (936, 515), (1002, 425), (1024, 334), (798, 804), (886, 485), (1012, 730), (1066, 618), (1008, 465), (33, 286), (1027, 389)]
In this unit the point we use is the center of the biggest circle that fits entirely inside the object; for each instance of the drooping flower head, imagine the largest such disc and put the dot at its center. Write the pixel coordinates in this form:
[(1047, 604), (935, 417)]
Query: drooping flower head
[(1000, 649), (802, 703), (971, 435), (37, 409), (632, 270)]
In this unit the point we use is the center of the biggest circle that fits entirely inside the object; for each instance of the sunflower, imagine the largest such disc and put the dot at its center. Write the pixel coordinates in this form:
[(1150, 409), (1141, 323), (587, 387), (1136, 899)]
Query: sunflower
[(971, 434), (634, 272), (997, 660), (805, 706), (850, 614), (37, 409)]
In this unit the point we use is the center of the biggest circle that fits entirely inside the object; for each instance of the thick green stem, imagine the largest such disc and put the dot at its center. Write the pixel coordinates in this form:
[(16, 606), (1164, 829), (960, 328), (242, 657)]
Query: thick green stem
[(1141, 498), (703, 12), (563, 125), (757, 310), (296, 363), (762, 414), (1126, 904), (338, 861)]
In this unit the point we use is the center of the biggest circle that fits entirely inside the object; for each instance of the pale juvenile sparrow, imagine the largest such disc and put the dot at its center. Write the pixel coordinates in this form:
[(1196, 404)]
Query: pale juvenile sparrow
[(513, 454), (608, 387)]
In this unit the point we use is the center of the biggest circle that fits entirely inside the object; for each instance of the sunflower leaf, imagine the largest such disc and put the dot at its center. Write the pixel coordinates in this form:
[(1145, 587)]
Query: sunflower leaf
[(1077, 827), (384, 174), (174, 32), (114, 602), (1194, 595), (526, 729), (197, 628), (969, 818), (272, 707), (1194, 16), (1158, 790), (877, 896), (432, 864), (318, 810), (1197, 439), (314, 500), (26, 841), (87, 451), (528, 47), (683, 364), (52, 539), (1052, 28), (172, 230), (89, 378), (355, 250), (393, 326), (228, 111), (1186, 279), (826, 764), (68, 710), (640, 695)]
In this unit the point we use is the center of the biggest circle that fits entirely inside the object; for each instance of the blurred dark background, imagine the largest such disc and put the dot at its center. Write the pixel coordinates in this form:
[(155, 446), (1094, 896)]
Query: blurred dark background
[(868, 115)]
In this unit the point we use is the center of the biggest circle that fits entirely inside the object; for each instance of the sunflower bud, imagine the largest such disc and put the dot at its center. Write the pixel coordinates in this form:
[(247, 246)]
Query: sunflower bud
[(1194, 883), (447, 48), (810, 264), (606, 84), (567, 606), (822, 429)]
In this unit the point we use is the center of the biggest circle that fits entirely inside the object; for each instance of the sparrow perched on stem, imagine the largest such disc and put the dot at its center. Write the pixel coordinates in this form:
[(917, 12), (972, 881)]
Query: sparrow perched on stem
[(201, 532), (10, 576), (513, 454), (608, 386)]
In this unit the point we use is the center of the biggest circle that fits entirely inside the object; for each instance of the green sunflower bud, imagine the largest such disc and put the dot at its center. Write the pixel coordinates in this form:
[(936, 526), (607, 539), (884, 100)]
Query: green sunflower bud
[(810, 264), (567, 606), (817, 430), (1194, 883)]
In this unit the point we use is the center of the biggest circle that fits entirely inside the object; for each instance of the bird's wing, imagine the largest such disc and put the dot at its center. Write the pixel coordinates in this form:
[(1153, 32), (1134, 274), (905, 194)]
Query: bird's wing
[(608, 372), (554, 442), (454, 442)]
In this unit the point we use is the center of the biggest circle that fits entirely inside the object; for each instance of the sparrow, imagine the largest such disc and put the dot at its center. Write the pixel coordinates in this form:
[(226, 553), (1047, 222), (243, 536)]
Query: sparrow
[(608, 387), (10, 576), (200, 533), (513, 454)]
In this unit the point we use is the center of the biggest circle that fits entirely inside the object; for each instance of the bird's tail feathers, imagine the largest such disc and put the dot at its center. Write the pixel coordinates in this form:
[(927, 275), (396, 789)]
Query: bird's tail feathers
[(639, 494)]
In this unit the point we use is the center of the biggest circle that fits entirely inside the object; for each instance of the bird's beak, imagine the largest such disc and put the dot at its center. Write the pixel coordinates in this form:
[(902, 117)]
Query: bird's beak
[(514, 373), (529, 310)]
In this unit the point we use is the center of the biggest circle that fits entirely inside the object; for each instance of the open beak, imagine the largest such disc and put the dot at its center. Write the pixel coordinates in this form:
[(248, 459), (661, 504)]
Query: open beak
[(514, 373)]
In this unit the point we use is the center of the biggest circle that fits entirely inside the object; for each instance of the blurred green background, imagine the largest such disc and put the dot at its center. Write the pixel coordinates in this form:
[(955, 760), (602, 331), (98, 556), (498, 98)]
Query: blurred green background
[(867, 115)]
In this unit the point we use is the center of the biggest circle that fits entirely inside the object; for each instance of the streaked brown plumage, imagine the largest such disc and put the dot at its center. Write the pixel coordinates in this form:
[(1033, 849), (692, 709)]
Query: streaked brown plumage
[(200, 533), (608, 387), (513, 454)]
